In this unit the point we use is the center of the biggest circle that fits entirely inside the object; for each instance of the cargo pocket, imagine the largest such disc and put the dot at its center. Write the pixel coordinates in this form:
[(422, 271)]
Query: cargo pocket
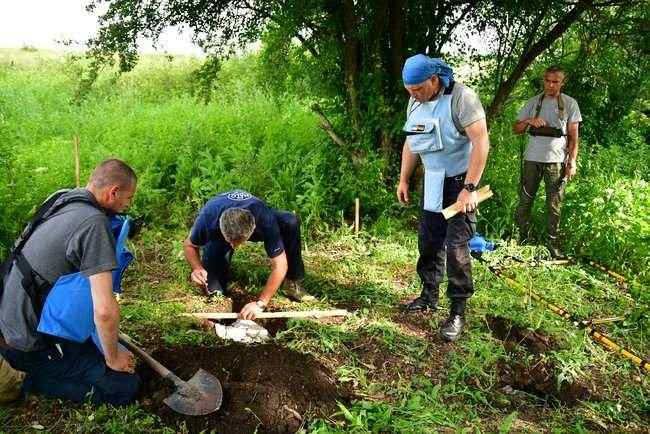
[(424, 136)]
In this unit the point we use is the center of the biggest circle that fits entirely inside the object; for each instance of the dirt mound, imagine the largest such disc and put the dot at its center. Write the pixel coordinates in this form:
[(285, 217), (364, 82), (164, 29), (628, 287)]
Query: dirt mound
[(537, 378), (540, 380), (267, 388), (505, 330)]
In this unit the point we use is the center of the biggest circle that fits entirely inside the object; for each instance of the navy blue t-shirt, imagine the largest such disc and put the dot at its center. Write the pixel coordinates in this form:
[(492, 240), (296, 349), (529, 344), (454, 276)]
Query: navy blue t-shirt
[(206, 226)]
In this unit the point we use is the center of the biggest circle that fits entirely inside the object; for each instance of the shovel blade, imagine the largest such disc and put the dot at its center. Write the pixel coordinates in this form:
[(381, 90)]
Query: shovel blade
[(200, 395)]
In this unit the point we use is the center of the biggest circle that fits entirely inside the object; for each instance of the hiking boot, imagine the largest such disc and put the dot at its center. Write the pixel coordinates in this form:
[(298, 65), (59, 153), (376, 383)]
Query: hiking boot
[(428, 299), (294, 291), (451, 329)]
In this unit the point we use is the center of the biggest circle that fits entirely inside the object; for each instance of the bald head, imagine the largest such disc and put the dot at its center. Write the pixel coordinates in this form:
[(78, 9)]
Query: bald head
[(112, 172)]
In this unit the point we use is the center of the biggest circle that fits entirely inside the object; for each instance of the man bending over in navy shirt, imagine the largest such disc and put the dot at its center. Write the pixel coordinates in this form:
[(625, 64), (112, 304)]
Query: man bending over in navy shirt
[(226, 222)]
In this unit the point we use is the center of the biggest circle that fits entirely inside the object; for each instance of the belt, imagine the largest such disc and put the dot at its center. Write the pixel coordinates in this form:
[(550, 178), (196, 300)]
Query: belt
[(456, 178)]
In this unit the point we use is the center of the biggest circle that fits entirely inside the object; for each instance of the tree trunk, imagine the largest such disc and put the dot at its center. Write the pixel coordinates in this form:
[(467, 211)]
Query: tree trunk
[(396, 34), (351, 61)]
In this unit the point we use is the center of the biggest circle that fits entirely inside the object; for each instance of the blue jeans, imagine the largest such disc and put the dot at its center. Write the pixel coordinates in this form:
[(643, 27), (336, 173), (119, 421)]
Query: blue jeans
[(79, 374)]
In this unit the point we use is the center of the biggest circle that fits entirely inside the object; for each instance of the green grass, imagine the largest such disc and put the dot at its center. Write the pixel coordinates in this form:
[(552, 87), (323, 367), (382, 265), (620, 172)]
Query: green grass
[(404, 378)]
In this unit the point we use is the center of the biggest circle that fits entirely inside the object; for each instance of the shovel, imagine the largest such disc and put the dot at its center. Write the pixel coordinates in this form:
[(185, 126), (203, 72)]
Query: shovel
[(200, 395)]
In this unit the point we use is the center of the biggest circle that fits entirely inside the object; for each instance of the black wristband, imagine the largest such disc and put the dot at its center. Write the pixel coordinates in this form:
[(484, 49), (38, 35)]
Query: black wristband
[(470, 187)]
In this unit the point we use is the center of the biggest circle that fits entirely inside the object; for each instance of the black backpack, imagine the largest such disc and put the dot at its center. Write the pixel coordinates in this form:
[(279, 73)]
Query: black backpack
[(35, 286)]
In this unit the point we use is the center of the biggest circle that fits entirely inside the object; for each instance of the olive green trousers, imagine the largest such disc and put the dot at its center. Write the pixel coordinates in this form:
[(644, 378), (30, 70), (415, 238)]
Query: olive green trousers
[(553, 176)]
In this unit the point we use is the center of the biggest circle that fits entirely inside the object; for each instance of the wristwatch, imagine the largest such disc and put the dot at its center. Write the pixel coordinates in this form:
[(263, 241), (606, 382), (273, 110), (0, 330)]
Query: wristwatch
[(470, 187), (260, 304)]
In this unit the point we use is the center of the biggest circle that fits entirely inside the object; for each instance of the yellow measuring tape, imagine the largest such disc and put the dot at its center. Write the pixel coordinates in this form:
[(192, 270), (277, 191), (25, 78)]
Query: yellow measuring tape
[(597, 336)]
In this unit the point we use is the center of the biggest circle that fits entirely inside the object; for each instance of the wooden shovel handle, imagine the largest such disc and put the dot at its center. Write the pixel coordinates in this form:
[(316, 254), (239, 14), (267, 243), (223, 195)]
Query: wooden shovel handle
[(483, 194), (155, 365)]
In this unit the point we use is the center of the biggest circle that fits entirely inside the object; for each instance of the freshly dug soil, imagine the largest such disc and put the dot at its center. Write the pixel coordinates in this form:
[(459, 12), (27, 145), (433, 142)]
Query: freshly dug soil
[(267, 388), (505, 330), (538, 378)]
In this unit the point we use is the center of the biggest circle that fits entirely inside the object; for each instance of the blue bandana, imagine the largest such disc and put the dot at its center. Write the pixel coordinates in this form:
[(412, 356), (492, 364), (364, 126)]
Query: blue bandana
[(420, 68)]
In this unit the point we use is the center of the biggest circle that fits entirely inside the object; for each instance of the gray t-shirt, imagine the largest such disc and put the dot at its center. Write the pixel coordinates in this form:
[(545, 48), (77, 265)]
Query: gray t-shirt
[(75, 238), (549, 149), (466, 107)]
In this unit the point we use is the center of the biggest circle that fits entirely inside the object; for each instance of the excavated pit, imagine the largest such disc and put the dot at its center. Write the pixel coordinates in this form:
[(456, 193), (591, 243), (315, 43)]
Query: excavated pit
[(538, 377), (511, 334), (267, 388)]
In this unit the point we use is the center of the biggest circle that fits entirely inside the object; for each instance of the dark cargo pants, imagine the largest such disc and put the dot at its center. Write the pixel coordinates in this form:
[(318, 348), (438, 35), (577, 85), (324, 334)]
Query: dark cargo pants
[(440, 239), (553, 175)]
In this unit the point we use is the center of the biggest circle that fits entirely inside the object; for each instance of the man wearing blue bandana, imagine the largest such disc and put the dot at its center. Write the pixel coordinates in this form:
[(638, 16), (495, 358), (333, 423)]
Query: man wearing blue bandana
[(445, 126)]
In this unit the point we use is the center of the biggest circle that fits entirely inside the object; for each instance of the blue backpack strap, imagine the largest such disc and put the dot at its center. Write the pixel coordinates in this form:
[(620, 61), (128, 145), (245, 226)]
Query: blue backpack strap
[(121, 226)]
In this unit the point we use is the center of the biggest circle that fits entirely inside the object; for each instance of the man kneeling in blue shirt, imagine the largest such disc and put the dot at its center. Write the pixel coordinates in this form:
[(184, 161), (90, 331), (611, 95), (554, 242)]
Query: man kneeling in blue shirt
[(226, 222)]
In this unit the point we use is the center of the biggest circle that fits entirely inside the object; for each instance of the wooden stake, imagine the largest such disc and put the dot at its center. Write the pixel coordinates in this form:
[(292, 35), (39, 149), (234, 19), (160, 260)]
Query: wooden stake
[(357, 207), (77, 164), (263, 315)]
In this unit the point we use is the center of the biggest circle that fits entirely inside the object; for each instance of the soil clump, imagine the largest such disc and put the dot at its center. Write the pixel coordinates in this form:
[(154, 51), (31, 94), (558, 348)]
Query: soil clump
[(266, 387)]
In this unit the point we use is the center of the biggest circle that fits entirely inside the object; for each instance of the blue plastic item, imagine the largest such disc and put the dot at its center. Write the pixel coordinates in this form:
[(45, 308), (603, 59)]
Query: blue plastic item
[(478, 244)]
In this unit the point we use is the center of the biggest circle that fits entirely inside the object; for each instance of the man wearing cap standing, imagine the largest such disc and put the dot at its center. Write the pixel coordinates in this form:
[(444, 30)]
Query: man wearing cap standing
[(445, 126)]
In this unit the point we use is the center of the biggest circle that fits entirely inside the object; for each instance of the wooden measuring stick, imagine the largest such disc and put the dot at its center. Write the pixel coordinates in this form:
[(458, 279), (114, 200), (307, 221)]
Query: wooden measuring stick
[(483, 194), (77, 163), (356, 215), (263, 315)]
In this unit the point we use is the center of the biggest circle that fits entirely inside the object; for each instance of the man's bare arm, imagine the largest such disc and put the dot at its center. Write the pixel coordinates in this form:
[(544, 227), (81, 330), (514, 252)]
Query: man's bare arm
[(199, 274), (572, 150), (106, 314), (409, 161), (279, 267), (478, 135), (520, 127)]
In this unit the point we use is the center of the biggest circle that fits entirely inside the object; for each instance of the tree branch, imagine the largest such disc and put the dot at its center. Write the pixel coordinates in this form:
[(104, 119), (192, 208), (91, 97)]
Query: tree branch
[(506, 87)]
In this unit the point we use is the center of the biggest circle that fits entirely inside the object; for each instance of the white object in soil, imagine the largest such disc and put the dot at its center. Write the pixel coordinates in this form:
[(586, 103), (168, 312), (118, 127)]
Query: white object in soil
[(242, 330)]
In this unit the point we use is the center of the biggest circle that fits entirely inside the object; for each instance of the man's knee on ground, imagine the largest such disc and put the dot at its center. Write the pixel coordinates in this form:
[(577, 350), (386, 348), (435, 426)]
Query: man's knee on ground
[(116, 388)]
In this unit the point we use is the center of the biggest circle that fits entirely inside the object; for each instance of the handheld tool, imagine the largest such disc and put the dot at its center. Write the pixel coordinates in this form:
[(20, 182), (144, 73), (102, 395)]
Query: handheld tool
[(200, 395)]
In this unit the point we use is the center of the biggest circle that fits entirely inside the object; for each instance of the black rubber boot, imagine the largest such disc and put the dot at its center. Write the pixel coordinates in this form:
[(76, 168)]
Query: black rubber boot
[(428, 299)]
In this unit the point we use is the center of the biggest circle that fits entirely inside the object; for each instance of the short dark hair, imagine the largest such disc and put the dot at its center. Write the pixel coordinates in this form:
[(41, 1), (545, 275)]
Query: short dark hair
[(553, 69), (113, 172)]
